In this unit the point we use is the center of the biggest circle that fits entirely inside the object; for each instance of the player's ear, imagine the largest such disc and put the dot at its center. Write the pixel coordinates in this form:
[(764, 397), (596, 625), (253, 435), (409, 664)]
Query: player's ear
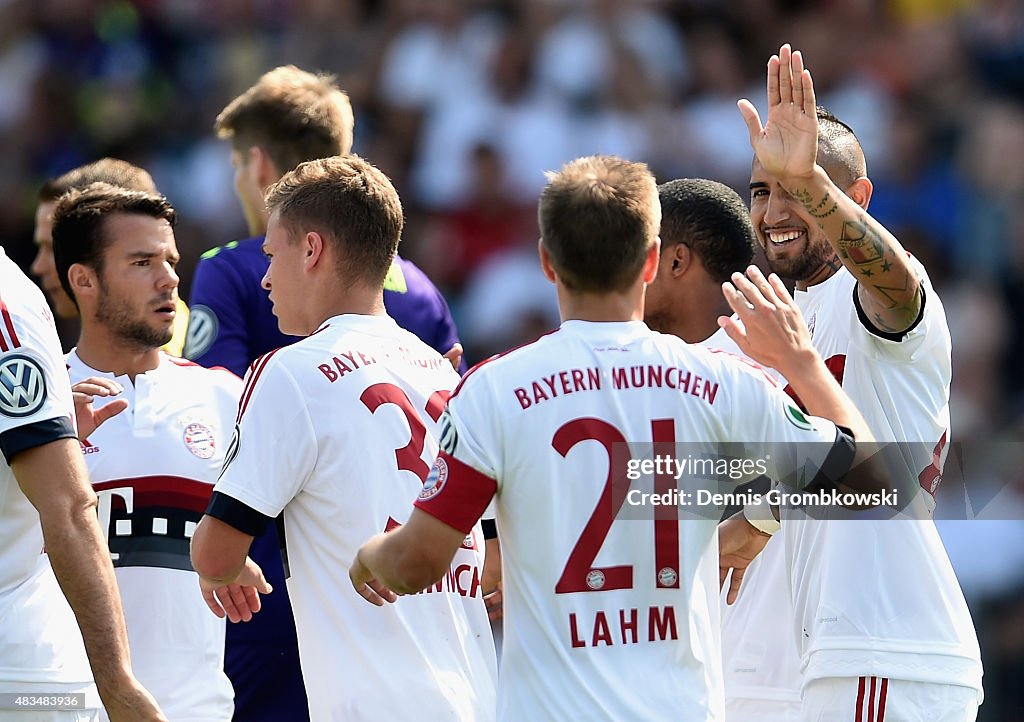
[(312, 249), (545, 261), (83, 280), (860, 191), (650, 269), (679, 258)]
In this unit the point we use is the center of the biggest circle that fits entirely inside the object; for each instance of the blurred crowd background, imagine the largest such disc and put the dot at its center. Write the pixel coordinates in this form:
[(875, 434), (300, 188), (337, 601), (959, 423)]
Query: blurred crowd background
[(465, 104)]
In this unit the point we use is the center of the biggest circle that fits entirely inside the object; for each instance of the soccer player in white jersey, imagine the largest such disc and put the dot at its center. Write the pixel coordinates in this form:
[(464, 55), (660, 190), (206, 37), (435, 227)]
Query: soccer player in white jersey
[(45, 498), (882, 625), (338, 431), (154, 464), (706, 236), (604, 619)]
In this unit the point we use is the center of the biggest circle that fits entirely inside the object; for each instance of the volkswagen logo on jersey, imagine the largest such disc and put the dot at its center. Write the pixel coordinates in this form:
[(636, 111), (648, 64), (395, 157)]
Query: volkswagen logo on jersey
[(199, 440), (22, 386), (435, 480), (202, 331)]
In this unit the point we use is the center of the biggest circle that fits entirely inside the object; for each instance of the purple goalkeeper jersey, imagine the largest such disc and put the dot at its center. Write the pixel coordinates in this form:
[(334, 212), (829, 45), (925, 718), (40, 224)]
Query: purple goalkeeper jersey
[(231, 324)]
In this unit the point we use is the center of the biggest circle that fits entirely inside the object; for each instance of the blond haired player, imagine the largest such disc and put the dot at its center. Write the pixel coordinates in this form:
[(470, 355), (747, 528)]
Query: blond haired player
[(338, 431)]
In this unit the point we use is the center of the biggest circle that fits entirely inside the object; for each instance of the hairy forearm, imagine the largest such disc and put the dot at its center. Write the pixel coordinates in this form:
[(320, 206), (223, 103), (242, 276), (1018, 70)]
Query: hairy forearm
[(889, 285), (81, 563)]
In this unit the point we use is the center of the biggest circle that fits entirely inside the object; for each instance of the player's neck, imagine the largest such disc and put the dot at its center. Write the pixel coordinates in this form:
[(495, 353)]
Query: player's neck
[(356, 300), (699, 327), (601, 307), (824, 272), (107, 352)]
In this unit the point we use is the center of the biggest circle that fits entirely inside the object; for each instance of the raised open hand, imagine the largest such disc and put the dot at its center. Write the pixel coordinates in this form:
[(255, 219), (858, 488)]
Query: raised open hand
[(787, 145)]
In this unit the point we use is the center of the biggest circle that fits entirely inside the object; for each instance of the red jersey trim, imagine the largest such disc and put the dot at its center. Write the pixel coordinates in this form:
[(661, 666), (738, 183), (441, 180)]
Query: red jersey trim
[(257, 369), (461, 494), (497, 356), (11, 341)]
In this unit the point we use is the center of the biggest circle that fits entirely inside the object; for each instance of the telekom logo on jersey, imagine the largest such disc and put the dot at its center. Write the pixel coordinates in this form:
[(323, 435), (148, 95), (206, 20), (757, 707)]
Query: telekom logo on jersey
[(105, 503)]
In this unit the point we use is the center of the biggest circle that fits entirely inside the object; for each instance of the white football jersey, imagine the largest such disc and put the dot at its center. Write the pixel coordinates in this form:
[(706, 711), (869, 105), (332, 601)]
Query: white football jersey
[(879, 597), (760, 659), (153, 467), (41, 647), (611, 609), (338, 431)]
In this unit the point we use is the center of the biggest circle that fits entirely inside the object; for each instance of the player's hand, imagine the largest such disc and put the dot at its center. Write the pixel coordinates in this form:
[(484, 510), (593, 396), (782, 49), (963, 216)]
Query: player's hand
[(454, 355), (738, 543), (493, 603), (130, 702), (770, 328), (240, 599), (367, 587), (787, 144), (84, 393)]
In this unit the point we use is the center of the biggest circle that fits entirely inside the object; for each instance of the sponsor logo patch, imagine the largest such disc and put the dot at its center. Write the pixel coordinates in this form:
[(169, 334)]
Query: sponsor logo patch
[(203, 328), (436, 480), (797, 418), (449, 437), (199, 440), (22, 386)]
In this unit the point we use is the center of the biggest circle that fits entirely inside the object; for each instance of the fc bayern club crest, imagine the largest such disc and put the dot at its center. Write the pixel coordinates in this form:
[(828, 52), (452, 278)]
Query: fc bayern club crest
[(199, 440)]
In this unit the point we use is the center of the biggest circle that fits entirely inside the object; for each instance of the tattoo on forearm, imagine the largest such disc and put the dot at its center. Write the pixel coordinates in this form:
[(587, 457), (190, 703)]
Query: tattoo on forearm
[(861, 244), (822, 209)]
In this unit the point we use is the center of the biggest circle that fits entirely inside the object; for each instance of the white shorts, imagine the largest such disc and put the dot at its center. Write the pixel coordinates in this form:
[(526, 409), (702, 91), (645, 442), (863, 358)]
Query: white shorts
[(875, 699)]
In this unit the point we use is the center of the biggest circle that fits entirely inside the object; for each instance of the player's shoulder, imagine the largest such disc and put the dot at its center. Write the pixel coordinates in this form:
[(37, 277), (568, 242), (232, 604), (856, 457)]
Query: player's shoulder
[(191, 373), (497, 368), (24, 313), (715, 359)]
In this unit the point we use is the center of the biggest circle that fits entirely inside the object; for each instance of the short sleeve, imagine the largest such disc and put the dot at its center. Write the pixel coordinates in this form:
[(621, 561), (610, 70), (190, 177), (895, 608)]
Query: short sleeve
[(464, 478), (274, 449), (928, 330)]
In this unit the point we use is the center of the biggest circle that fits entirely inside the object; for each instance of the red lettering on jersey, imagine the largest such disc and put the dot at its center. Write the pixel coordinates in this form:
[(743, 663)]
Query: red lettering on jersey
[(328, 372), (343, 368), (558, 384), (661, 627), (836, 366), (601, 631), (629, 626), (662, 621), (574, 632)]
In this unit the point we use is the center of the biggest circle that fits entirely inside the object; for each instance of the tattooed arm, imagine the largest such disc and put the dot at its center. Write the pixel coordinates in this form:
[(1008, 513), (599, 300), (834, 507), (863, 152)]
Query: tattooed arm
[(888, 288)]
